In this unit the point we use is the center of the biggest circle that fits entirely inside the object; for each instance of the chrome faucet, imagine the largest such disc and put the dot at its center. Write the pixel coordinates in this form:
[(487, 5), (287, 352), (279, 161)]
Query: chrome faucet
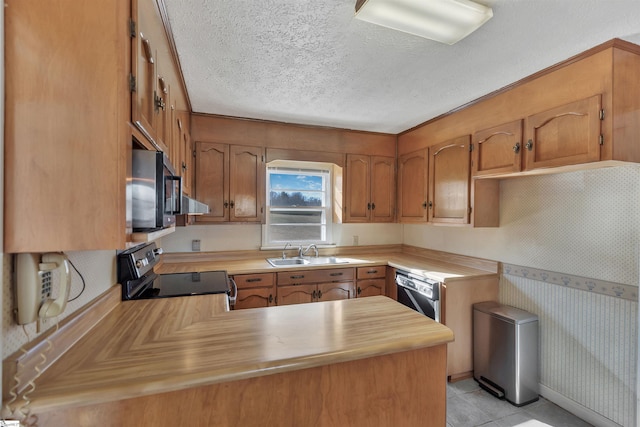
[(284, 255), (315, 250)]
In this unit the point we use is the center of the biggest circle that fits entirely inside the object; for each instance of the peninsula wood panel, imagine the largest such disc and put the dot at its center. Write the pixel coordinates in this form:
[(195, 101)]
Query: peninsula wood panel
[(66, 140), (374, 391)]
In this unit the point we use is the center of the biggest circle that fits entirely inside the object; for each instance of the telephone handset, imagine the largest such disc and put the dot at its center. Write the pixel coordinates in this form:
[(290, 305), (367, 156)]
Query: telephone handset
[(34, 285)]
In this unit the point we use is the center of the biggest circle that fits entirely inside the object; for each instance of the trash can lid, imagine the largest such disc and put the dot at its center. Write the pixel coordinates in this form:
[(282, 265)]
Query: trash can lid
[(505, 312)]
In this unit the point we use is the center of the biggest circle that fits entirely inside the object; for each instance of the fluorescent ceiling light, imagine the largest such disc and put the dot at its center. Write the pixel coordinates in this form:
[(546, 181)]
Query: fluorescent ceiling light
[(445, 21)]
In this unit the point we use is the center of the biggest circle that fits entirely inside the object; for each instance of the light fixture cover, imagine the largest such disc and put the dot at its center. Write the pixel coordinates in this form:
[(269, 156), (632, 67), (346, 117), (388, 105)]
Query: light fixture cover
[(445, 21)]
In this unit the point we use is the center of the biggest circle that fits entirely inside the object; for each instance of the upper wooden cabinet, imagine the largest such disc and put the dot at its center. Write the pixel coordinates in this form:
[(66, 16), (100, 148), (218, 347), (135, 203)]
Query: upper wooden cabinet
[(565, 135), (230, 179), (413, 186), (449, 167), (370, 189), (498, 149), (66, 135)]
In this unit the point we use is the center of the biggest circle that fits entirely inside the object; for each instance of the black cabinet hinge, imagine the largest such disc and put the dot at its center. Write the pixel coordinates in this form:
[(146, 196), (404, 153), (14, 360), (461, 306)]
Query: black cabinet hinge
[(132, 28), (602, 114), (601, 139), (194, 154), (132, 83), (470, 147)]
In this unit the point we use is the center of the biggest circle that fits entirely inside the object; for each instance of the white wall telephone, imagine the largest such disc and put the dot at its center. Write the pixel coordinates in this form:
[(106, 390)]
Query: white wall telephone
[(34, 285)]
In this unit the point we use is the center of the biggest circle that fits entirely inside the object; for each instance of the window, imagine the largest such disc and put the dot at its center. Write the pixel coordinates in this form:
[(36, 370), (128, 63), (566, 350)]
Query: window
[(298, 203)]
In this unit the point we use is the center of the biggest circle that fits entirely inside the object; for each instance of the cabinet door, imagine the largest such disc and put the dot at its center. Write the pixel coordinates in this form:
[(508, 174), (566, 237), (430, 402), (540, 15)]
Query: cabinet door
[(358, 189), (566, 135), (370, 287), (296, 294), (212, 186), (65, 133), (185, 154), (255, 298), (449, 167), (497, 150), (335, 291), (144, 69), (162, 111), (383, 189), (412, 186), (246, 184)]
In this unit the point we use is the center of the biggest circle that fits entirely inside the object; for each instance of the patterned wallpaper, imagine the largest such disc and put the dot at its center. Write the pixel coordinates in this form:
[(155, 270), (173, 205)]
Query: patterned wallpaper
[(570, 247)]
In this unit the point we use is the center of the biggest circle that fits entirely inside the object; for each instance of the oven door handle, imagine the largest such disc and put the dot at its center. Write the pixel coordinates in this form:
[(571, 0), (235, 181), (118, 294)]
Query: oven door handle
[(234, 295)]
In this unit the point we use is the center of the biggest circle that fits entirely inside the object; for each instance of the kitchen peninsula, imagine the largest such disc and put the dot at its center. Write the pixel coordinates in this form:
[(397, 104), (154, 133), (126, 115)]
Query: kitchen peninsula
[(188, 361)]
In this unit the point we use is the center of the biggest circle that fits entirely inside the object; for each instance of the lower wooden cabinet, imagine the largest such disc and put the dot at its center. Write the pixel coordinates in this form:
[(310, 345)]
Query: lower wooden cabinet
[(456, 302), (302, 286), (371, 281), (255, 290)]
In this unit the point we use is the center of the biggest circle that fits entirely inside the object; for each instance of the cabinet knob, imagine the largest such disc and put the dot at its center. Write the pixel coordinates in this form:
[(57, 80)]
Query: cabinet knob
[(373, 206), (270, 298), (313, 295), (232, 204), (225, 204), (319, 294), (516, 148), (529, 145), (430, 204), (424, 205), (368, 206), (359, 290)]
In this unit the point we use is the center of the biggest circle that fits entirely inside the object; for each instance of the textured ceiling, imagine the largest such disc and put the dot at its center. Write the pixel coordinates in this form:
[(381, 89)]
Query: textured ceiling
[(311, 62)]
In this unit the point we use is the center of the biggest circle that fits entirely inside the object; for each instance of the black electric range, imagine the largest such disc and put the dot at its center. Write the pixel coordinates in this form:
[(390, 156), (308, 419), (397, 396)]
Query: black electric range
[(139, 281)]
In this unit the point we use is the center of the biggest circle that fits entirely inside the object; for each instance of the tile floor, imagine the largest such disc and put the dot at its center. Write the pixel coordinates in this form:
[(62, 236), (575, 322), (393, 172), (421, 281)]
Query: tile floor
[(469, 406)]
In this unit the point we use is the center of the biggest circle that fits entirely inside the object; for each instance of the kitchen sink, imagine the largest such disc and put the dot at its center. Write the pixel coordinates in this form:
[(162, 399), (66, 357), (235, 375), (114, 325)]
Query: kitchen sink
[(282, 262), (323, 260)]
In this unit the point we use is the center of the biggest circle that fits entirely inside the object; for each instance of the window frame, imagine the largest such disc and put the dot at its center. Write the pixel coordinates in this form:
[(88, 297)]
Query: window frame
[(325, 170)]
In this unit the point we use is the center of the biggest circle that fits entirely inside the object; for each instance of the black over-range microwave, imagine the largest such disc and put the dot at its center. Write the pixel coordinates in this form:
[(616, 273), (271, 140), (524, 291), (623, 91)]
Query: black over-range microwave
[(156, 191)]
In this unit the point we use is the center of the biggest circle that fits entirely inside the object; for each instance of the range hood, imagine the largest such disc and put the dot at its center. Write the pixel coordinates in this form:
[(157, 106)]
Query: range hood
[(193, 207)]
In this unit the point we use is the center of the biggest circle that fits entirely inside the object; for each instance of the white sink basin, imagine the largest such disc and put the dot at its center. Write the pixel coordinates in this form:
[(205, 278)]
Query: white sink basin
[(280, 262)]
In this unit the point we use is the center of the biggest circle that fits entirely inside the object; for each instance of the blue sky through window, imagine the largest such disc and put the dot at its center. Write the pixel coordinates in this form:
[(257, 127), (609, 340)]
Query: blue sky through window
[(289, 182)]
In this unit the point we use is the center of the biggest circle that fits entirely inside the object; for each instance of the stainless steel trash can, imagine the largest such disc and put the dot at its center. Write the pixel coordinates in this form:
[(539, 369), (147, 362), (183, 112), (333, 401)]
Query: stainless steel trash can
[(505, 352)]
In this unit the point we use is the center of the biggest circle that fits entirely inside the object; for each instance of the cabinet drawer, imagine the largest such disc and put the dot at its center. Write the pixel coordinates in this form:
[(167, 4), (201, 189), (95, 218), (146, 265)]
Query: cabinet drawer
[(315, 276), (373, 272), (261, 280)]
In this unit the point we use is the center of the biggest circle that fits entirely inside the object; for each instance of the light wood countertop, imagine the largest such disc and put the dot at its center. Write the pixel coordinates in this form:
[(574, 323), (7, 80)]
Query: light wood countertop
[(435, 269), (154, 346)]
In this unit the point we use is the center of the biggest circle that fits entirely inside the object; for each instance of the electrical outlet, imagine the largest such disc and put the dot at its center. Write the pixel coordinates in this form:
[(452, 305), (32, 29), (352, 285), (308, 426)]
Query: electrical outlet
[(195, 245), (355, 240)]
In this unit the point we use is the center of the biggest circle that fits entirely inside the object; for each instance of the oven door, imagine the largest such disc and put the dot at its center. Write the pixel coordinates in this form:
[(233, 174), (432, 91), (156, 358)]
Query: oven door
[(419, 302)]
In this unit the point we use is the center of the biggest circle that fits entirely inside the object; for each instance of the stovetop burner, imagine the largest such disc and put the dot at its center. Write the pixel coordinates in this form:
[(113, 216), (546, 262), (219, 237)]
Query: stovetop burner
[(139, 281)]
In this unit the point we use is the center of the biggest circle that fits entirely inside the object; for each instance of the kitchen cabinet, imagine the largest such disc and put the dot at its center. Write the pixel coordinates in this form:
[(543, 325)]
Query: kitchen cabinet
[(566, 135), (181, 150), (295, 287), (370, 188), (230, 179), (449, 179), (255, 290), (66, 138), (149, 83), (456, 304), (413, 186), (371, 281), (497, 150)]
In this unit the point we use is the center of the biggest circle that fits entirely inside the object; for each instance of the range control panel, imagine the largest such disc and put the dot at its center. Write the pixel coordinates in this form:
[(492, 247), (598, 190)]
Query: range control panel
[(137, 262)]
